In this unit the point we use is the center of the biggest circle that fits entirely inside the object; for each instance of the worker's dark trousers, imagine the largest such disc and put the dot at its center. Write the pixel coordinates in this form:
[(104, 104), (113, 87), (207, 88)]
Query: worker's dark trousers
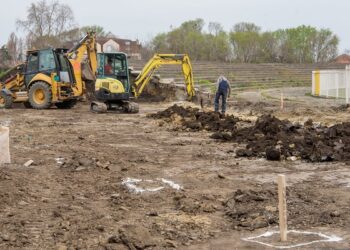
[(223, 95)]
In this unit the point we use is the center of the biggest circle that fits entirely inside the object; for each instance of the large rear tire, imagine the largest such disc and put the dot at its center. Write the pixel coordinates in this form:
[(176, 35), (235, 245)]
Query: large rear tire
[(66, 104), (5, 100), (40, 95)]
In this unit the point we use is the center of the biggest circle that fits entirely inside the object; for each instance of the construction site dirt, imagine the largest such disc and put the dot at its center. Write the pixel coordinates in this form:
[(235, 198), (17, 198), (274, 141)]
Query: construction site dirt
[(146, 181)]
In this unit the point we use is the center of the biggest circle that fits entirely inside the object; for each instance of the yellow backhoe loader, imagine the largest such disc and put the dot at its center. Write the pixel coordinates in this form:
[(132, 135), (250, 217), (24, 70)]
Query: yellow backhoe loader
[(113, 87), (51, 76)]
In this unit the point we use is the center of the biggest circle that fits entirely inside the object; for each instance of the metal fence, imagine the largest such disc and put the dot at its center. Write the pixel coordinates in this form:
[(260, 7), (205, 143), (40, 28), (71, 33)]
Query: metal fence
[(332, 83)]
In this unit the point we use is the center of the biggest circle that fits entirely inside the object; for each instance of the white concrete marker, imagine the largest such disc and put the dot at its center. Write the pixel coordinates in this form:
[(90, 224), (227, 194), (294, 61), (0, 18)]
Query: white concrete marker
[(28, 163), (4, 145)]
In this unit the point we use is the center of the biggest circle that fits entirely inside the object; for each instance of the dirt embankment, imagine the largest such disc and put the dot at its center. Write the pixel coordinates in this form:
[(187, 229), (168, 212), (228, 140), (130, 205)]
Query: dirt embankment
[(269, 137)]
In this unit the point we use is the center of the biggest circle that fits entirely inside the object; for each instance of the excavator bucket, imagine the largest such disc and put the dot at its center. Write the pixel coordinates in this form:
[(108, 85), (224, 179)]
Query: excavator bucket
[(87, 73), (165, 59)]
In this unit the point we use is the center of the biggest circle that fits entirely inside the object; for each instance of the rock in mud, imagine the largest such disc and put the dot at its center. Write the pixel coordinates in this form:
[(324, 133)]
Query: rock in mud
[(273, 154), (85, 162), (136, 237), (114, 239), (244, 153)]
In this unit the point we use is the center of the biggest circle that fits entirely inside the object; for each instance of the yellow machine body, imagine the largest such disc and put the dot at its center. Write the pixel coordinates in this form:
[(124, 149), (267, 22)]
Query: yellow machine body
[(114, 86)]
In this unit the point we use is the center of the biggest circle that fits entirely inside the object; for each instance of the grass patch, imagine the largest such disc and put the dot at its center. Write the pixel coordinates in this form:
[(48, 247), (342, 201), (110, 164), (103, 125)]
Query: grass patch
[(204, 81)]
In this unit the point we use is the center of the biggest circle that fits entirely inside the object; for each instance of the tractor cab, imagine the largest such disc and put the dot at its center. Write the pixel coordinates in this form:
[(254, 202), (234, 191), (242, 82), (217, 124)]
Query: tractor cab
[(48, 62), (112, 77)]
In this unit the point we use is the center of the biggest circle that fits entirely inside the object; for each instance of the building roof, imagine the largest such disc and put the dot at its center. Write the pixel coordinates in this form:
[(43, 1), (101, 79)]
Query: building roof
[(343, 59), (103, 40)]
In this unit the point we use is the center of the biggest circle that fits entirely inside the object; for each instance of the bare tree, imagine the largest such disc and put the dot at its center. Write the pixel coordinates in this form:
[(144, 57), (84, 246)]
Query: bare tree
[(99, 30), (215, 28), (12, 48), (15, 48), (46, 23)]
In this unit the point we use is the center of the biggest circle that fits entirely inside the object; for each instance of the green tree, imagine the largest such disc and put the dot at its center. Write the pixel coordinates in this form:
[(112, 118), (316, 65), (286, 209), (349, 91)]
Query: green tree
[(215, 28), (245, 39), (5, 58), (160, 44), (247, 43), (325, 46), (217, 47)]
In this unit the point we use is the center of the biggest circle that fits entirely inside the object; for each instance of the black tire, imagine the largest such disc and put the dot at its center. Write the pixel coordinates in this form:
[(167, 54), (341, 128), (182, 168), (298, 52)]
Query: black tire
[(27, 105), (5, 101), (66, 104), (40, 95)]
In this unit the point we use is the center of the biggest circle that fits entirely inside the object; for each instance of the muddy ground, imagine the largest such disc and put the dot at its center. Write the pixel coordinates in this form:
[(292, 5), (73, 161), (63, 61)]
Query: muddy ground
[(117, 181)]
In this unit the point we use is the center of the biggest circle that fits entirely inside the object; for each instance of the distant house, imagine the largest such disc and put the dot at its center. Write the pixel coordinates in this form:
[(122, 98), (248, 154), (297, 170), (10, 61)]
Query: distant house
[(342, 59), (110, 43)]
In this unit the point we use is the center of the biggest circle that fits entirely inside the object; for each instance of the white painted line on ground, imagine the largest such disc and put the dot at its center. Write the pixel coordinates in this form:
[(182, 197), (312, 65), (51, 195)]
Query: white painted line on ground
[(132, 185), (171, 184), (326, 238)]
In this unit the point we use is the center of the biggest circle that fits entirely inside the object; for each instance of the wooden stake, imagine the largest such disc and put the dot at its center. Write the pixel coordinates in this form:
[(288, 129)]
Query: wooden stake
[(4, 145), (282, 206), (282, 101)]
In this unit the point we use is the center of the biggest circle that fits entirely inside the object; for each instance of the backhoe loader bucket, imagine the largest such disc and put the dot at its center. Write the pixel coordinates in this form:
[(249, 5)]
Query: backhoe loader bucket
[(87, 73)]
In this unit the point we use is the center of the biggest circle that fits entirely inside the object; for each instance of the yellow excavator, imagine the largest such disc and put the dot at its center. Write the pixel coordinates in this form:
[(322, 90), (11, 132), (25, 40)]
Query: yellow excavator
[(51, 76), (113, 88)]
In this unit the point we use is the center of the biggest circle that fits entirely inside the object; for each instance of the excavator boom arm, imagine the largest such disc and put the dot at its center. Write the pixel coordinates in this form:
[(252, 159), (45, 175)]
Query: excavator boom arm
[(165, 59), (84, 70)]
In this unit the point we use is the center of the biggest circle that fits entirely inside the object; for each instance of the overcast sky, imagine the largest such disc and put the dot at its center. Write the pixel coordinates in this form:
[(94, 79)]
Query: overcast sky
[(142, 19)]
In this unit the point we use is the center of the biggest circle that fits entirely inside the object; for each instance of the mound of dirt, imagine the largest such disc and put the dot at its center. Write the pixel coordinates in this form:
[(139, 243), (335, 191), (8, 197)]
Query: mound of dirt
[(269, 137), (341, 108), (196, 120), (80, 162), (275, 139), (254, 209)]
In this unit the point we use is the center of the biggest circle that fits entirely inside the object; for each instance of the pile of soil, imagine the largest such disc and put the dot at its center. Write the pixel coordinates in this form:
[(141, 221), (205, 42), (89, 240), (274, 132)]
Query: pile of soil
[(258, 208), (269, 137), (196, 120), (341, 108), (276, 139)]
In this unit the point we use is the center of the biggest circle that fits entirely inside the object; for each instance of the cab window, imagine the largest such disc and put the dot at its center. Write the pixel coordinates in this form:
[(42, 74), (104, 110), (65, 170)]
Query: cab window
[(33, 60), (47, 60), (100, 60)]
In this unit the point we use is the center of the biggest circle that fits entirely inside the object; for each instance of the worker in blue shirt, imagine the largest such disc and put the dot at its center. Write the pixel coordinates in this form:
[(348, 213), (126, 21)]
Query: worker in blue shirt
[(224, 91)]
